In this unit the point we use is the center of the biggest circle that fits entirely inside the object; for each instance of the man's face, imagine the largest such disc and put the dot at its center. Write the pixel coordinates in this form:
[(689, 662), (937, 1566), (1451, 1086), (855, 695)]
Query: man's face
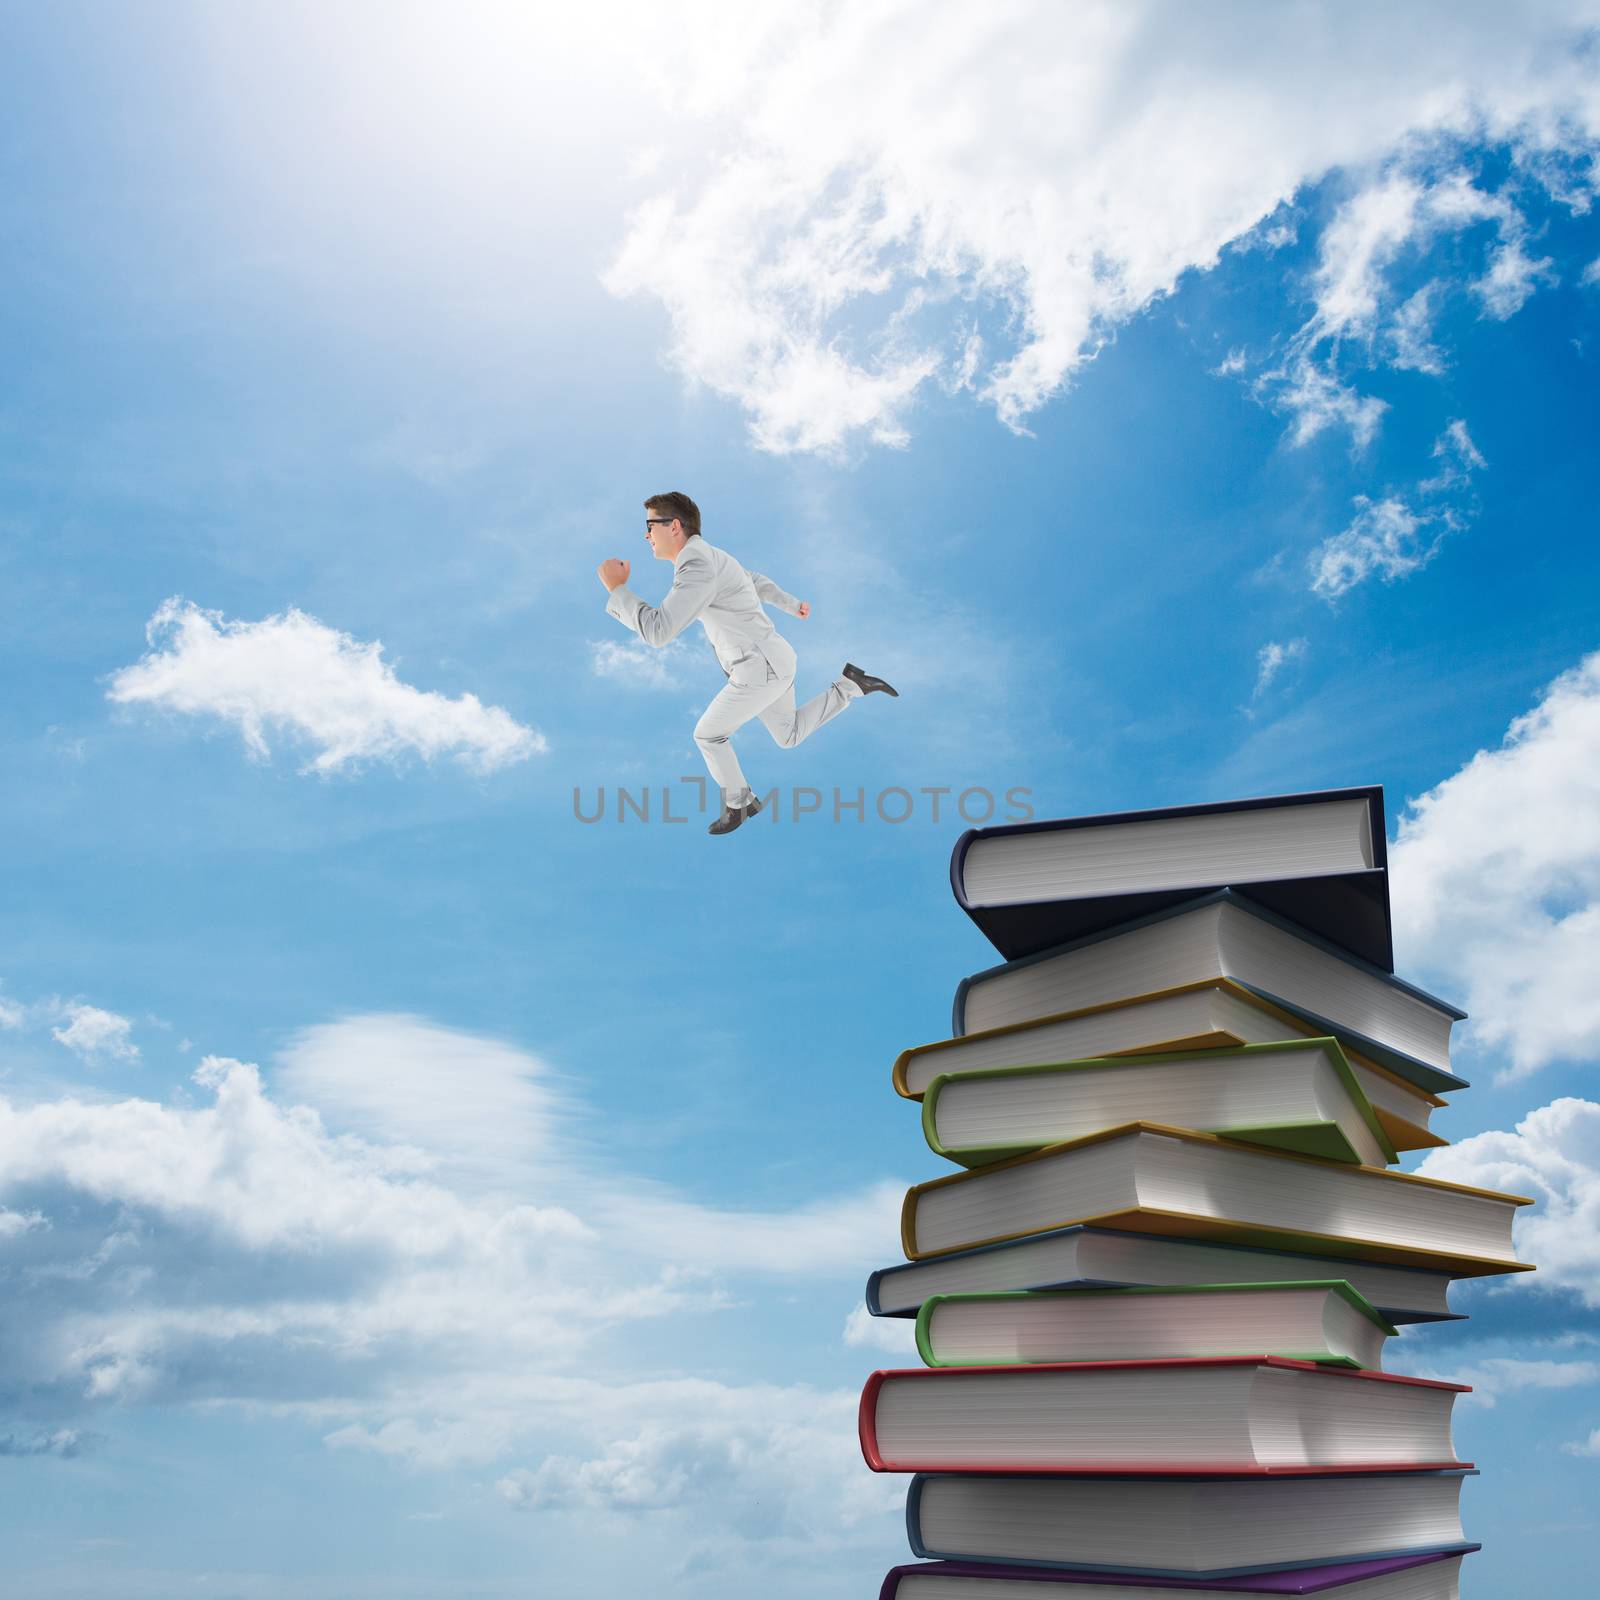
[(665, 535)]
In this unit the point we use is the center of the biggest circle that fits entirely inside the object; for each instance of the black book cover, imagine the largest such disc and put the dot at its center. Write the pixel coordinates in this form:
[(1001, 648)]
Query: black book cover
[(1348, 909)]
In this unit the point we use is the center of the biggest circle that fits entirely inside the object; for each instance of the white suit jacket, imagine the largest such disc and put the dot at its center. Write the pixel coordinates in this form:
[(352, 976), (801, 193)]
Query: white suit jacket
[(708, 585)]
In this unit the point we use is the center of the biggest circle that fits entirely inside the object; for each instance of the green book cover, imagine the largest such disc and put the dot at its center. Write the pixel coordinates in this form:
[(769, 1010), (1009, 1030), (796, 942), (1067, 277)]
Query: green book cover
[(1337, 1286), (1325, 1140)]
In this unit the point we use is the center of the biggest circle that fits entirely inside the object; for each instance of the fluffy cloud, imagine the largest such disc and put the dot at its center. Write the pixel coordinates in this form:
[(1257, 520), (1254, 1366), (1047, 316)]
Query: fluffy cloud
[(1553, 1157), (1389, 539), (1030, 177), (95, 1034), (1496, 1376), (475, 1108), (404, 1240), (896, 1335), (636, 664), (1400, 213), (755, 1456), (1386, 538), (90, 1032), (1496, 875), (292, 675)]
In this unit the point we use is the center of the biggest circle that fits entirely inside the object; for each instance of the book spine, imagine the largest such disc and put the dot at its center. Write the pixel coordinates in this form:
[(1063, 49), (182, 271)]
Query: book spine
[(867, 1422), (873, 1297), (914, 1517)]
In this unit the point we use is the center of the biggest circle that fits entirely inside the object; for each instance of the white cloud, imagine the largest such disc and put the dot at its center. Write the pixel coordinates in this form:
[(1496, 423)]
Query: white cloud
[(479, 1107), (1591, 274), (14, 1222), (1316, 399), (897, 1335), (11, 1016), (1586, 1447), (1400, 211), (1496, 881), (1272, 658), (95, 1034), (292, 675), (1410, 334), (61, 1442), (1496, 1376), (636, 664), (1385, 539), (407, 1243), (1037, 174), (1512, 277), (1553, 1157), (1458, 456), (1363, 238)]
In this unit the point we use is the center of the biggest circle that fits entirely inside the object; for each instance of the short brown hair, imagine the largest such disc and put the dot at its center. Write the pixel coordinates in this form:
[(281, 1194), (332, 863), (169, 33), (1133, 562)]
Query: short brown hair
[(676, 504)]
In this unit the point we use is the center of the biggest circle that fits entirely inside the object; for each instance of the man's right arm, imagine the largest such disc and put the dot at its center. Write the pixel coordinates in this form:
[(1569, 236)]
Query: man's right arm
[(692, 585), (772, 595)]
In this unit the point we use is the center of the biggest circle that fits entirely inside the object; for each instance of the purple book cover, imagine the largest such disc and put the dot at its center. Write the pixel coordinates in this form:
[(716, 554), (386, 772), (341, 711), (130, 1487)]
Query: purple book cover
[(1301, 1580)]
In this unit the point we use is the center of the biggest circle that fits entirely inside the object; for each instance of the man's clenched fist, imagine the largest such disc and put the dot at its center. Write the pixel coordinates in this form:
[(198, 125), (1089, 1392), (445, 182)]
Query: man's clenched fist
[(613, 573)]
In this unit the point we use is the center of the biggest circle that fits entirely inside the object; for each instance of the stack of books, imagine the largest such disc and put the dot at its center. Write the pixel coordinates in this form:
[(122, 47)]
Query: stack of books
[(1153, 1299)]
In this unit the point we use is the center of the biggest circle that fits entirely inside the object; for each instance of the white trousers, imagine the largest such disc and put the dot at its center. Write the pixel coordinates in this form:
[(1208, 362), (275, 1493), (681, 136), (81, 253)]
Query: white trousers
[(773, 702)]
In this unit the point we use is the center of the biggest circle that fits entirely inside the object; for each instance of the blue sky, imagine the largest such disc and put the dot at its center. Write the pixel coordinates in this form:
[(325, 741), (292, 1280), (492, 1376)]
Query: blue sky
[(409, 1189)]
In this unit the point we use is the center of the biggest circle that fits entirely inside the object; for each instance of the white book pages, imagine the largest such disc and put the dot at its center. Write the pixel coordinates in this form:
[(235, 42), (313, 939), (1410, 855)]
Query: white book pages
[(1222, 1182), (1433, 1580), (1237, 1416), (1187, 1526), (1216, 940), (1148, 1025), (1210, 1090), (1236, 847), (1386, 1093), (1307, 1323), (1096, 1255), (1027, 1197)]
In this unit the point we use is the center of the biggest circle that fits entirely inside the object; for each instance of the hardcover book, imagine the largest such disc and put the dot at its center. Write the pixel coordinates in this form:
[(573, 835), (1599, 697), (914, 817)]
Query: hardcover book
[(1225, 935), (1326, 1321), (1086, 1257), (1158, 1179), (1212, 1014), (1424, 1577), (1295, 1095), (1229, 1415), (1318, 859), (1184, 1527)]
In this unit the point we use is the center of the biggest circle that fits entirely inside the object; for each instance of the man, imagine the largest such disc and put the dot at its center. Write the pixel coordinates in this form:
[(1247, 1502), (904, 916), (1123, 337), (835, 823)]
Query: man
[(709, 585)]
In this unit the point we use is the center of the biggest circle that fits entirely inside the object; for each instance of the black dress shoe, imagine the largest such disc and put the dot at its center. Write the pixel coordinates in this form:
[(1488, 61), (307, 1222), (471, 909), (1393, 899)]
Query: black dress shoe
[(732, 816), (867, 684)]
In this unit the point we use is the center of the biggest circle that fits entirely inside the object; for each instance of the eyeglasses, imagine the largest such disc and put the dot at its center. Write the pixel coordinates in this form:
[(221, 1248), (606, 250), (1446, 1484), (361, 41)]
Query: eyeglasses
[(658, 522)]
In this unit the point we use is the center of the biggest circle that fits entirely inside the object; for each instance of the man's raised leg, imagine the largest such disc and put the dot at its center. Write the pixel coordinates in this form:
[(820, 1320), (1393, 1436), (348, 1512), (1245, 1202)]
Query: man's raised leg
[(789, 724)]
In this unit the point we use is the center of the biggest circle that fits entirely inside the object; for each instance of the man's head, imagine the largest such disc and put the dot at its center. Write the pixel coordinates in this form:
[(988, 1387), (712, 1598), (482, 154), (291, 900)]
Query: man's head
[(670, 521)]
